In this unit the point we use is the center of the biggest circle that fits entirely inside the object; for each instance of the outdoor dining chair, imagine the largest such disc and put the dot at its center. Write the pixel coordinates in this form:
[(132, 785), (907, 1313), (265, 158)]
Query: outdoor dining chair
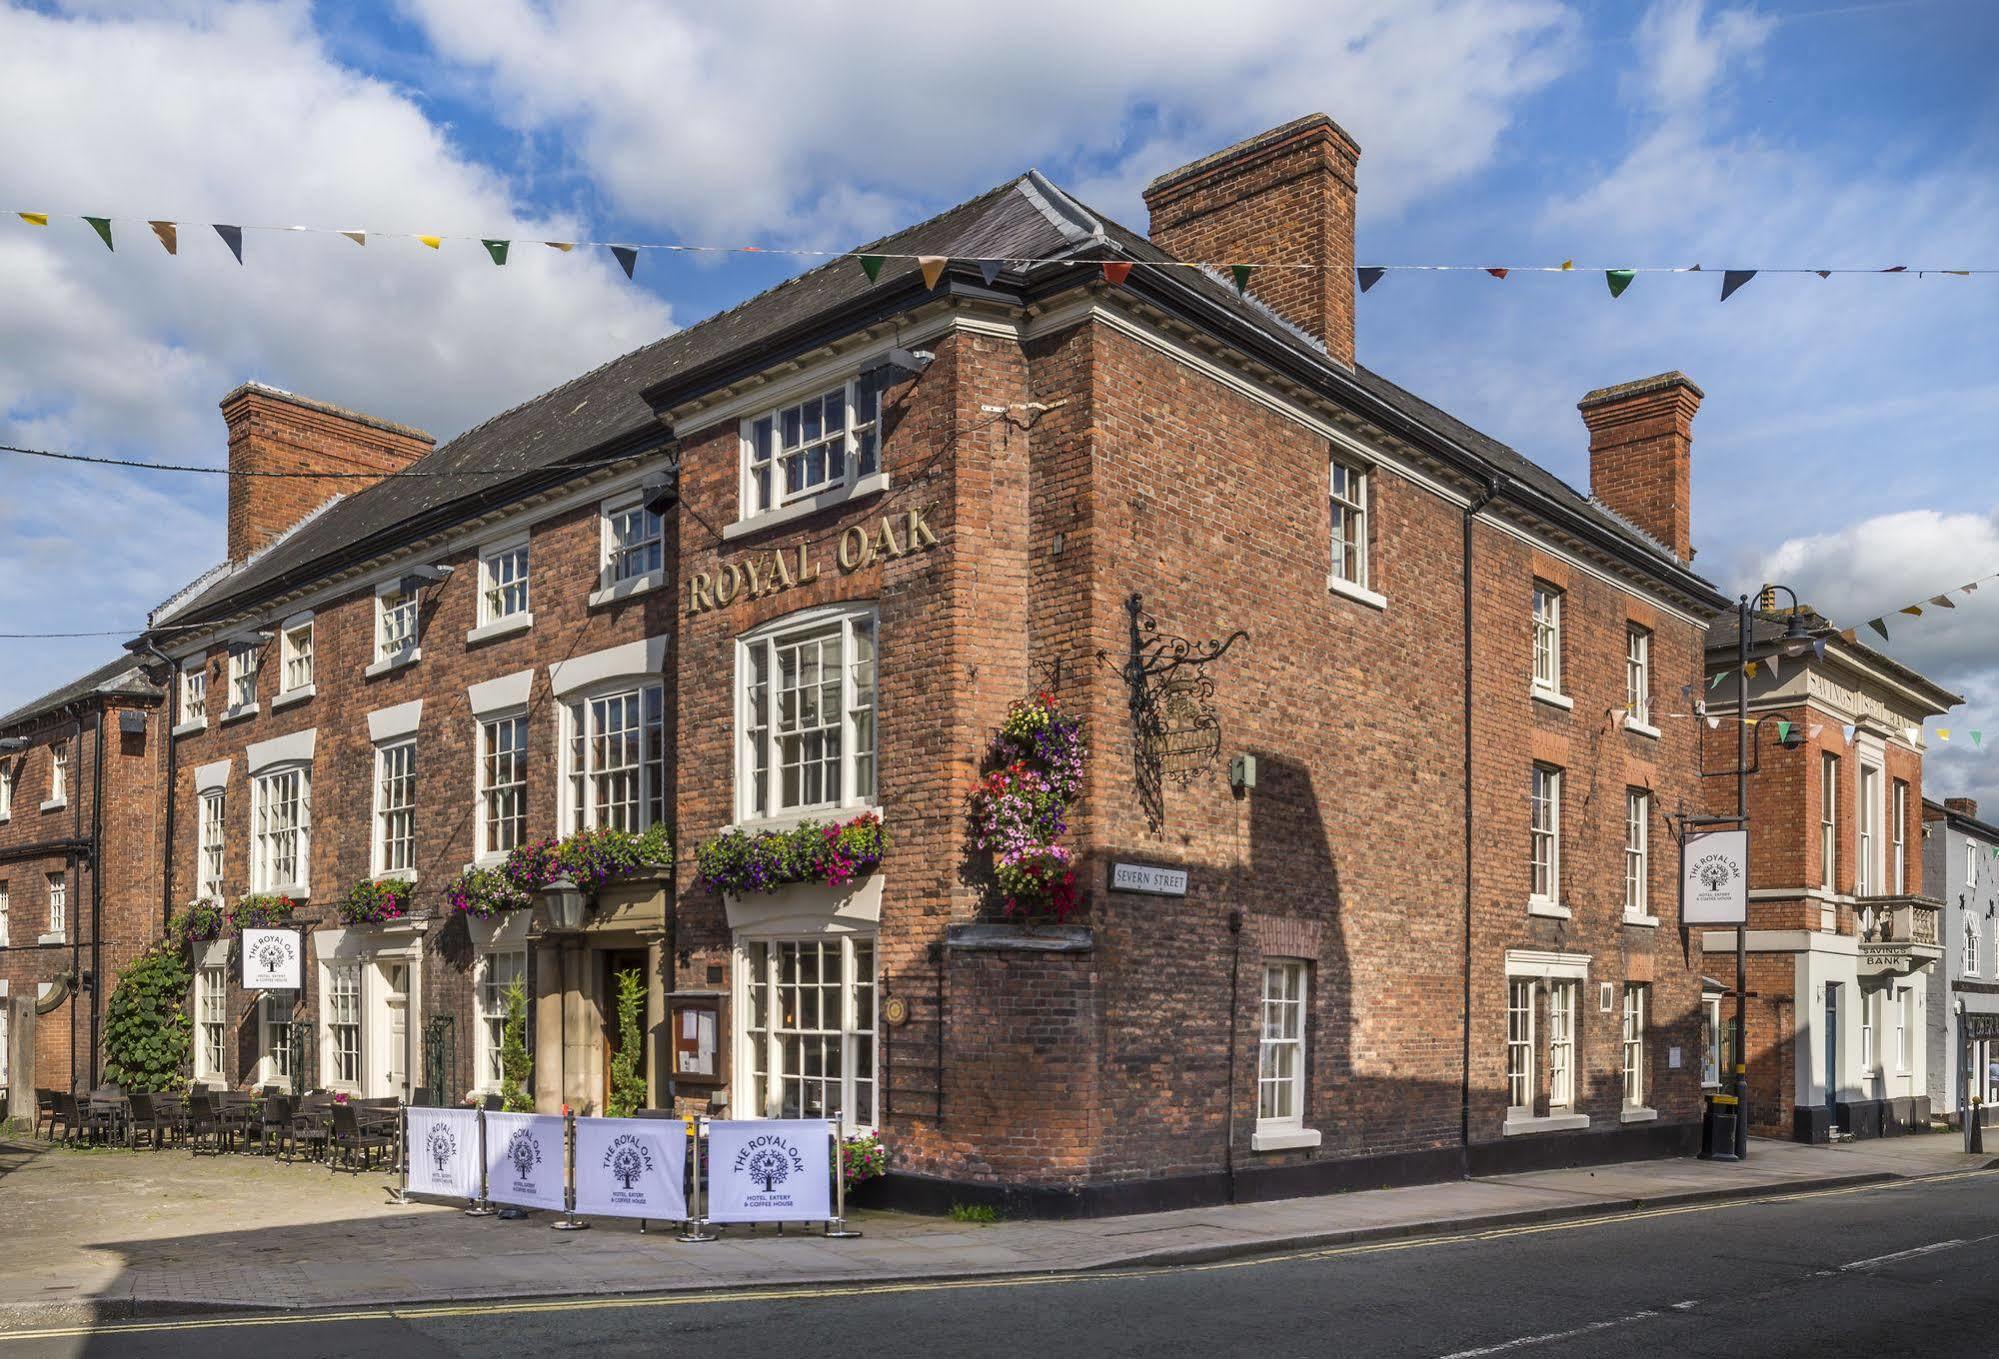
[(355, 1143), (104, 1115), (148, 1117), (204, 1116), (309, 1125), (45, 1112), (66, 1117), (273, 1123)]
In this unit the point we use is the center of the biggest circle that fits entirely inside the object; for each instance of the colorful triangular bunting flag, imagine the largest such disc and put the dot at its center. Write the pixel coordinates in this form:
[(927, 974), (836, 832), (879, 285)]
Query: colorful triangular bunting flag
[(1847, 730), (1880, 625), (169, 236), (357, 236), (1568, 265), (989, 270), (232, 236), (564, 246), (34, 218), (1817, 728), (1751, 669), (627, 257), (1823, 273), (1783, 729), (102, 226), (1117, 271), (1942, 601), (497, 249), (1914, 611), (432, 241), (1241, 273), (1497, 273), (1818, 647), (1776, 668), (1715, 683), (1618, 280), (1368, 277), (871, 265), (1733, 279), (932, 268), (1977, 738), (1943, 733)]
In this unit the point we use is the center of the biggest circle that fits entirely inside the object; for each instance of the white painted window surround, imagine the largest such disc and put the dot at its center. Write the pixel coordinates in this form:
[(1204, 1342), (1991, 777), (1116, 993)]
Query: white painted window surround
[(633, 551), (1281, 1058), (1531, 975)]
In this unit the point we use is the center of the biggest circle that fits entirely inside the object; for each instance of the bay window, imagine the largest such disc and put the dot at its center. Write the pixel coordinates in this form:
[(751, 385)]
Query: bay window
[(806, 711), (1561, 1045), (614, 758), (274, 1037), (807, 1036)]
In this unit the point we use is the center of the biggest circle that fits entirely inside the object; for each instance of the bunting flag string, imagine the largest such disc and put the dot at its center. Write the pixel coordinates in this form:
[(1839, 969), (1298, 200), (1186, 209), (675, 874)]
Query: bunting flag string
[(1116, 271), (1879, 624)]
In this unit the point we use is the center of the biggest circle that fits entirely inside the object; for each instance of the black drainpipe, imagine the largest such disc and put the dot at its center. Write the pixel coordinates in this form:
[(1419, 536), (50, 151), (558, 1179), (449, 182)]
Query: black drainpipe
[(167, 712), (96, 892), (1478, 503)]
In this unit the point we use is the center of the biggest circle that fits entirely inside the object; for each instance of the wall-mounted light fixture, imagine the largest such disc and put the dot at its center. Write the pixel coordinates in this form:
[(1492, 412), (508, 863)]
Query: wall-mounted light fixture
[(417, 577)]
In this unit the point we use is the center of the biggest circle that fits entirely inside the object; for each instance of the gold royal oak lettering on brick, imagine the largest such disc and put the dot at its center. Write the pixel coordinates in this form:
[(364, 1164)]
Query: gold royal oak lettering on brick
[(766, 573)]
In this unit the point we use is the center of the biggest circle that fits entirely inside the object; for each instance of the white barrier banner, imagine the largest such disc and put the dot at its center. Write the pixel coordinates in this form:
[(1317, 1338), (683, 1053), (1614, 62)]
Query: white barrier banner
[(444, 1152), (631, 1167), (770, 1170), (524, 1160)]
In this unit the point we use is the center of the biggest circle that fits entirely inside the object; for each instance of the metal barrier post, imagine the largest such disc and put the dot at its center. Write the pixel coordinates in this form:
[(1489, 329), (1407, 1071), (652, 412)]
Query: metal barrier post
[(570, 1222), (837, 1228), (696, 1226), (481, 1206), (402, 1191)]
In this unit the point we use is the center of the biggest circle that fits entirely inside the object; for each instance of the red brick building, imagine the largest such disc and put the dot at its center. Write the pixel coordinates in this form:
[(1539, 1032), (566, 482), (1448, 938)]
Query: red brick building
[(1843, 940), (80, 859), (797, 561)]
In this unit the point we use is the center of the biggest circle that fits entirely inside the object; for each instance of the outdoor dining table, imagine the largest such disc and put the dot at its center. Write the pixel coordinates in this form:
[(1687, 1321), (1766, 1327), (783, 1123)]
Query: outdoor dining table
[(111, 1112)]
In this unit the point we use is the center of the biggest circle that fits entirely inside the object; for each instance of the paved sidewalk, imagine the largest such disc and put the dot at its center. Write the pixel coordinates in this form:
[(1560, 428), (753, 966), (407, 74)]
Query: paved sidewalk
[(92, 1235)]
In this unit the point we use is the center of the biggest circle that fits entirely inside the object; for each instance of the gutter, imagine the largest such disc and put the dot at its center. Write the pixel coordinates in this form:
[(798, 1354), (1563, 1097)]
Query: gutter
[(96, 987), (1472, 510), (167, 710)]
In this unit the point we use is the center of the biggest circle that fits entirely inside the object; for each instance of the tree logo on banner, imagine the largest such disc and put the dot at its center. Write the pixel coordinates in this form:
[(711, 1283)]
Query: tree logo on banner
[(627, 1158), (769, 1160), (1714, 871), (273, 955), (523, 1153), (442, 1144)]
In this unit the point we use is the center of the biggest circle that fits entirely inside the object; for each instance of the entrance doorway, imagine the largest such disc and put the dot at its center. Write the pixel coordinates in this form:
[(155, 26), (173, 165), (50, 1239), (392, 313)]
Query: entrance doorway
[(1832, 1055), (616, 963), (396, 998)]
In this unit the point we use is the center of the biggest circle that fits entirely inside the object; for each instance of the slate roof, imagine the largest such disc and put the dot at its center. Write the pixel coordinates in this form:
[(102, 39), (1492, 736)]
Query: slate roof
[(606, 409), (120, 677)]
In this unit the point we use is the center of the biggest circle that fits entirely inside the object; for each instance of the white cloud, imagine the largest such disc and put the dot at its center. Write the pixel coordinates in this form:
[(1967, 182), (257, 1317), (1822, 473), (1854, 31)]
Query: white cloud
[(235, 113), (817, 123), (1685, 53)]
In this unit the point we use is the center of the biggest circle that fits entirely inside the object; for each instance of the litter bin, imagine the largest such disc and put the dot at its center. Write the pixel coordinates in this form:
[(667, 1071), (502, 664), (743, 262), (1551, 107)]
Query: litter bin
[(1718, 1128)]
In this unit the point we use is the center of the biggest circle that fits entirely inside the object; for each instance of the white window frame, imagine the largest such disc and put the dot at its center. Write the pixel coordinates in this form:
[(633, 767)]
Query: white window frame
[(1829, 822), (1638, 677), (1544, 831), (1870, 1053), (210, 861), (1898, 833), (58, 890), (762, 1098), (274, 1050), (1711, 1042), (1637, 1000), (1564, 1007), (506, 570), (193, 694), (1521, 1086), (1968, 965), (1539, 972), (6, 792), (1905, 1030), (58, 773), (295, 658), (614, 579), (1867, 875), (761, 490), (264, 844), (339, 1020), (1283, 1029), (1638, 856), (492, 796), (759, 747), (393, 843), (1546, 674), (211, 1024), (582, 744), (490, 1009), (4, 907), (1348, 485), (246, 661), (394, 646)]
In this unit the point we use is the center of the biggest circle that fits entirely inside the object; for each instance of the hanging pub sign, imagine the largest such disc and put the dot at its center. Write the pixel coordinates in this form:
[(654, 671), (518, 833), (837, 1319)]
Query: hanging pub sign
[(524, 1160), (443, 1149), (271, 960), (1714, 878), (631, 1167), (770, 1170)]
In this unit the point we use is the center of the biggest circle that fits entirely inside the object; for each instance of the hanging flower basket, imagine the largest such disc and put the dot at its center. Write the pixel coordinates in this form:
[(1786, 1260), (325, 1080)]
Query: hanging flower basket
[(262, 910), (198, 922), (375, 903), (1021, 807), (836, 853)]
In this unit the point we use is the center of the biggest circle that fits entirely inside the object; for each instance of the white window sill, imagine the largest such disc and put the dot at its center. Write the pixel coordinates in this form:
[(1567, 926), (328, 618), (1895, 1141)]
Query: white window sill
[(1339, 585), (798, 509), (625, 589), (291, 696), (1649, 921), (190, 728), (1637, 728), (500, 627), (53, 937), (297, 891), (397, 875), (1637, 1114), (55, 804), (1283, 1139), (1554, 910), (238, 714), (1552, 699), (395, 662), (493, 860), (785, 821), (1518, 1124)]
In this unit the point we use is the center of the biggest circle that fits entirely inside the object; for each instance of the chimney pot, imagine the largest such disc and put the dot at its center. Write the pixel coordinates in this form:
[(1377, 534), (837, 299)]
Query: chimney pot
[(1285, 196), (276, 431), (1641, 454)]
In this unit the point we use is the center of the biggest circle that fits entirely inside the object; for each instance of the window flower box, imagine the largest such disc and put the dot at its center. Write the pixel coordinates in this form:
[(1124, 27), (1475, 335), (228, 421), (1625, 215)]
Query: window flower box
[(737, 862), (198, 922), (262, 910), (369, 902)]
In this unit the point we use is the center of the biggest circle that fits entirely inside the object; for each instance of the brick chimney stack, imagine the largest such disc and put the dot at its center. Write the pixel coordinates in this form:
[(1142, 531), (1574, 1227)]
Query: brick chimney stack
[(274, 431), (1641, 452), (1966, 807), (1286, 195)]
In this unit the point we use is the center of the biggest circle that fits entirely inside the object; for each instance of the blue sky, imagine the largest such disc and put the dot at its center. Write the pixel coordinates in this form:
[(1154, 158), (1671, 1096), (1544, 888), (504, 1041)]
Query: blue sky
[(1845, 443)]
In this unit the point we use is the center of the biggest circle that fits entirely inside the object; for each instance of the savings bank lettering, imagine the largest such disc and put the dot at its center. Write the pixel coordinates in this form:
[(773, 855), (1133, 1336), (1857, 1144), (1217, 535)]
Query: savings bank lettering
[(765, 573)]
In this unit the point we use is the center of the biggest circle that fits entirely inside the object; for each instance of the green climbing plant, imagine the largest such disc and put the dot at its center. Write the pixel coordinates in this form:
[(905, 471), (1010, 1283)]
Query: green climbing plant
[(628, 1079), (148, 1034), (515, 1064)]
